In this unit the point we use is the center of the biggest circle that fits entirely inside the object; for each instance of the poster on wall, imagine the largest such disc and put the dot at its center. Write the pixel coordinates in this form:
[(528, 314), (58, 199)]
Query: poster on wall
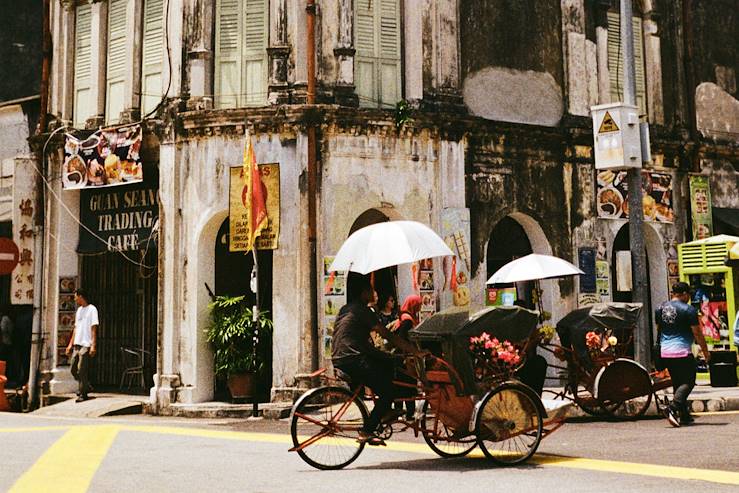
[(455, 229), (65, 317), (586, 262), (500, 296), (612, 198), (239, 213), (700, 207), (108, 157), (334, 297), (119, 219), (24, 209)]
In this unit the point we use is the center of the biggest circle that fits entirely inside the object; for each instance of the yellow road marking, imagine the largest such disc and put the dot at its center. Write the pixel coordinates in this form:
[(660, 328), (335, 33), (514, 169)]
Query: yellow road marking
[(620, 467), (70, 463), (33, 428)]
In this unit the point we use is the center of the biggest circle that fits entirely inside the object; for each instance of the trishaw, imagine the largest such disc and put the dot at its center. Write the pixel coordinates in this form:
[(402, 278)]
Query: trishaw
[(603, 380), (458, 407)]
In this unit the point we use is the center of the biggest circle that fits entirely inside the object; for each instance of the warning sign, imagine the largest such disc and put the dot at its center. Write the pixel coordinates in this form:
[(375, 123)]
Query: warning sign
[(608, 124)]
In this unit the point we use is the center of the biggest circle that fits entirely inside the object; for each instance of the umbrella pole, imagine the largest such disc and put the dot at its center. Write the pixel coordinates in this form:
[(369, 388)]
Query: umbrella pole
[(255, 319), (539, 303)]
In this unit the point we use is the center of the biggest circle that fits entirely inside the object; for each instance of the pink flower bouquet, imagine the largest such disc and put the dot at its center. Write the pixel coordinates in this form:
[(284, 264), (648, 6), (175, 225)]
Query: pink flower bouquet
[(492, 357)]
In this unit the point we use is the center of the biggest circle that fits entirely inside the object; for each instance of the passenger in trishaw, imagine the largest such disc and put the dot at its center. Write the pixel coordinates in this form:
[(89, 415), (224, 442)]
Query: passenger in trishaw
[(354, 353)]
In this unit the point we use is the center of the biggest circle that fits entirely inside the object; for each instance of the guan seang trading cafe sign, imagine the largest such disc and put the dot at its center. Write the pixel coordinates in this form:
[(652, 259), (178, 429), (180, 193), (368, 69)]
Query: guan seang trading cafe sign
[(122, 218)]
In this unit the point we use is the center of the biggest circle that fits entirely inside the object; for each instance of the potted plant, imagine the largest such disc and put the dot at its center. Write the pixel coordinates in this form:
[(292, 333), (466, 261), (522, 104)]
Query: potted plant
[(239, 343)]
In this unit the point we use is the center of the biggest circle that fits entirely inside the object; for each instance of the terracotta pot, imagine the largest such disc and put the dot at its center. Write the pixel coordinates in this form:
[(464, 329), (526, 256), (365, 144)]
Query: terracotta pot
[(242, 385)]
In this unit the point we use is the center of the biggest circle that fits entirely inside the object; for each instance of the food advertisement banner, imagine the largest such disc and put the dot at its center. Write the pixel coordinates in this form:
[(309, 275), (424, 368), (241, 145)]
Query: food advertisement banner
[(104, 159), (700, 207), (612, 200), (239, 213), (119, 219)]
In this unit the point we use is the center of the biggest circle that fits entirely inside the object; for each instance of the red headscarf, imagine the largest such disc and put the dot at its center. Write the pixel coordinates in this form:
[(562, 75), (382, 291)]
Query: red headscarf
[(411, 306)]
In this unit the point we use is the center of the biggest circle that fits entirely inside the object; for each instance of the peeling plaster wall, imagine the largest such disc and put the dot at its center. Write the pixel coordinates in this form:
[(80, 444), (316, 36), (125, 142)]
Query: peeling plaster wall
[(512, 65), (716, 113), (204, 206), (724, 181)]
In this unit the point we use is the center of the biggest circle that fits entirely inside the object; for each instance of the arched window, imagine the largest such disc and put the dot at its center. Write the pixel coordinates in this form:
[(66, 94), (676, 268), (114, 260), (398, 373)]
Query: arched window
[(377, 63), (241, 53), (616, 60)]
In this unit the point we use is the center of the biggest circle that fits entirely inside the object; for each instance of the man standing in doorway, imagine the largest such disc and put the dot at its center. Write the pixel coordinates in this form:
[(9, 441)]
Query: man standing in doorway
[(678, 325), (82, 344)]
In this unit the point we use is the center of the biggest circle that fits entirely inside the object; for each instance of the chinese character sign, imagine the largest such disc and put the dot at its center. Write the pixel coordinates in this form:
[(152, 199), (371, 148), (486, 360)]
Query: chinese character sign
[(24, 211)]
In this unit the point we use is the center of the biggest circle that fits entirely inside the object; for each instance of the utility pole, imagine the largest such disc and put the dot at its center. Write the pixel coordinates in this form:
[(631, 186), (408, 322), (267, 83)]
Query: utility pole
[(312, 172), (639, 288)]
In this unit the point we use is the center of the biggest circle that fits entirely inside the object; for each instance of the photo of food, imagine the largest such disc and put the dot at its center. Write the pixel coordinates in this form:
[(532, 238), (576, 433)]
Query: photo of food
[(105, 158), (67, 284), (427, 301), (612, 198), (427, 280)]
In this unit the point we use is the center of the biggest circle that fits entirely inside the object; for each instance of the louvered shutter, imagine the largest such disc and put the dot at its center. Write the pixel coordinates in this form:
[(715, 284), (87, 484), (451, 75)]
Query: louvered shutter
[(152, 55), (228, 53), (117, 57), (83, 104), (615, 60), (255, 52), (366, 53), (389, 53)]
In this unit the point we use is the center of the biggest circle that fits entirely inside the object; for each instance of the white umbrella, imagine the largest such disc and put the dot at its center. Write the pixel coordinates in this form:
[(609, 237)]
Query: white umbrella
[(533, 267), (386, 244)]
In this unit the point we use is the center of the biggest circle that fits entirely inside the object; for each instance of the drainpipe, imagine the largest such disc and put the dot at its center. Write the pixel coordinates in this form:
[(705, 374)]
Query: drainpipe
[(312, 174)]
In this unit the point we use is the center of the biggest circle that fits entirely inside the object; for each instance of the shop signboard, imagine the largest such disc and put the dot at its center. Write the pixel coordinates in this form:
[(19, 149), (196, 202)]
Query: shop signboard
[(700, 207), (108, 157), (24, 209), (239, 214), (118, 219), (612, 198)]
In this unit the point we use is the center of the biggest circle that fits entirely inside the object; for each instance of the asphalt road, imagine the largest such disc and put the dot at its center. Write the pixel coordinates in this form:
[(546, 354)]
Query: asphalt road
[(170, 455)]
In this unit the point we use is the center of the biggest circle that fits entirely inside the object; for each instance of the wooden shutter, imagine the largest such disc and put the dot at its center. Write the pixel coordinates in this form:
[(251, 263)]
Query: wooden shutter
[(255, 52), (615, 60), (377, 61), (83, 105), (389, 52), (152, 55), (366, 53), (117, 57), (228, 53)]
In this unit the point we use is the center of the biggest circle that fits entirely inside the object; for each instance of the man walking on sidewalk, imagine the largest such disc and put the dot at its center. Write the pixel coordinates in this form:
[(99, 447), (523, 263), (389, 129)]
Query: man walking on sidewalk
[(678, 325), (83, 341)]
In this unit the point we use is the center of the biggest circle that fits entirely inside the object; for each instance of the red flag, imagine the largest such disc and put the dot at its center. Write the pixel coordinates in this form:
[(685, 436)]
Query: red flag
[(254, 194)]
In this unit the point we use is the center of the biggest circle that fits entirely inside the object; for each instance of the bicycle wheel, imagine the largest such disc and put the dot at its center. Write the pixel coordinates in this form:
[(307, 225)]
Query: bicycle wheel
[(624, 389), (325, 426), (441, 438), (509, 423)]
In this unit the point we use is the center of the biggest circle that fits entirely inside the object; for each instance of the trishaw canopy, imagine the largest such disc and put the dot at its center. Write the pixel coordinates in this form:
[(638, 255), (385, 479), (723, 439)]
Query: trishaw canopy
[(620, 318), (452, 328)]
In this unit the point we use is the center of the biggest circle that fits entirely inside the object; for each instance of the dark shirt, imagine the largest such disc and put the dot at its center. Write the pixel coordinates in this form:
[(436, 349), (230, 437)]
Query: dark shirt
[(386, 319), (352, 333), (675, 320)]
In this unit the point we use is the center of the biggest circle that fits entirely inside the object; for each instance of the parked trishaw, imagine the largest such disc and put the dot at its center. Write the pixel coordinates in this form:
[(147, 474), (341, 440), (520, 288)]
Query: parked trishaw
[(596, 345), (463, 400)]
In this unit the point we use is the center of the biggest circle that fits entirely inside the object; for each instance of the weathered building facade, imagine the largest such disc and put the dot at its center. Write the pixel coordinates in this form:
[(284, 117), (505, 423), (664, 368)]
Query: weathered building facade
[(491, 146)]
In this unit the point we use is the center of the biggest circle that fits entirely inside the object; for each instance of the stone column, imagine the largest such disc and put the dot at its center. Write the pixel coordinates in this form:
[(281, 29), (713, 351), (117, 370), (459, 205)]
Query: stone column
[(200, 54), (98, 55), (63, 76), (601, 35), (344, 52), (653, 63), (413, 53), (132, 85), (439, 37), (580, 59), (278, 51)]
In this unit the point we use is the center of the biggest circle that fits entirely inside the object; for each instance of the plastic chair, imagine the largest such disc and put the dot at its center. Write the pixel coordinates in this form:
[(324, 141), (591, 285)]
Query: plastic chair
[(4, 404), (133, 358)]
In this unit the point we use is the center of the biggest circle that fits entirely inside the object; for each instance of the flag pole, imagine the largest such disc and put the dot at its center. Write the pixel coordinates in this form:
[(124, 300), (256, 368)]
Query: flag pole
[(255, 319)]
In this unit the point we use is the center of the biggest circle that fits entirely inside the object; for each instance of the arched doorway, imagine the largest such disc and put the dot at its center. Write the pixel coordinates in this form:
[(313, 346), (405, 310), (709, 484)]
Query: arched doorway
[(509, 241), (232, 278), (385, 281)]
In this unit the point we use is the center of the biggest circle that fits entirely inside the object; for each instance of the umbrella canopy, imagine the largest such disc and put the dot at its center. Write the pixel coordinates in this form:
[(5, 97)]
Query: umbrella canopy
[(715, 239), (734, 252), (533, 267), (387, 244)]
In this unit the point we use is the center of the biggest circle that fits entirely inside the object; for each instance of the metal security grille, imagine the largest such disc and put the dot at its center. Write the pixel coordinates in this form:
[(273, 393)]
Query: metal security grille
[(126, 298)]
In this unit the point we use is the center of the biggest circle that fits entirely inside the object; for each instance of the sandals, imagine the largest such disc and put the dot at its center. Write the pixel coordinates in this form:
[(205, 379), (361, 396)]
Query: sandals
[(370, 439)]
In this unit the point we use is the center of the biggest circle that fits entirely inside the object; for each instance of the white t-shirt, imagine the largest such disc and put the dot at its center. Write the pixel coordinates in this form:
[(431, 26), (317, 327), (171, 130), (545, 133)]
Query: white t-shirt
[(86, 317)]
